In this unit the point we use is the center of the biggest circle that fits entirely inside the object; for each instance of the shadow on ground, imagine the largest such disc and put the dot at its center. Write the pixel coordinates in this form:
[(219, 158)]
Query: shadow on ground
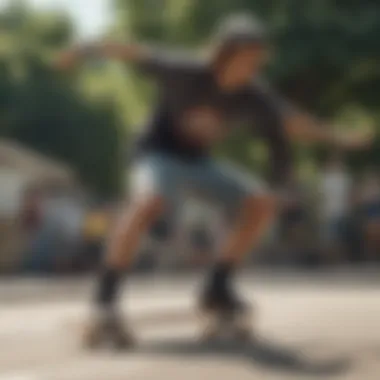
[(259, 353)]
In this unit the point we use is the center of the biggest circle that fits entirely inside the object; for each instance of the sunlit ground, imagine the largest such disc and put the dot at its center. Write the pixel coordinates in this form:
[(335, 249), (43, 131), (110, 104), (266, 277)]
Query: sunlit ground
[(311, 326)]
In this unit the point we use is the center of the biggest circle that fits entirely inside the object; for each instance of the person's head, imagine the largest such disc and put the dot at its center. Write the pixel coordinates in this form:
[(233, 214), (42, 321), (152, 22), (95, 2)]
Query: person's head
[(241, 50)]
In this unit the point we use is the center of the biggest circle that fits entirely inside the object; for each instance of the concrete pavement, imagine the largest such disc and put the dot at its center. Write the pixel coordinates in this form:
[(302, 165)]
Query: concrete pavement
[(309, 329)]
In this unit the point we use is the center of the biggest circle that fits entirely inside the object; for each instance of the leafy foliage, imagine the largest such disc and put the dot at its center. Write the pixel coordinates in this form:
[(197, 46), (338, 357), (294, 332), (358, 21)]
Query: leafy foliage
[(326, 60)]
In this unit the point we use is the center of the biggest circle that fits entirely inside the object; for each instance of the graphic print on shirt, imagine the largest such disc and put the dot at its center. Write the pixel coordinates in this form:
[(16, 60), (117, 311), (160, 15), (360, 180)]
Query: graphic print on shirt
[(202, 125)]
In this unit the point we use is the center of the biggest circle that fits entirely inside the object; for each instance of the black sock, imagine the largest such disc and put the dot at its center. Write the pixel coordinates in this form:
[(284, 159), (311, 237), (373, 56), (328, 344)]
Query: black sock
[(107, 288), (220, 279)]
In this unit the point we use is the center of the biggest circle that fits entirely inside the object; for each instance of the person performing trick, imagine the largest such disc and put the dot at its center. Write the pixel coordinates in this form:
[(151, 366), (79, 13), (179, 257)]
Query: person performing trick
[(200, 101)]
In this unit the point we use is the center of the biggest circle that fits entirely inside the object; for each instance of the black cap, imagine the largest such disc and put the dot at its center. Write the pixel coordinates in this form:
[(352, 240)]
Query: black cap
[(241, 29)]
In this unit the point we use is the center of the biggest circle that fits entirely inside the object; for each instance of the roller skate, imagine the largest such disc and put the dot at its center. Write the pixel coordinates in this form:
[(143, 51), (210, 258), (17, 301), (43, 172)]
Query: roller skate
[(225, 317), (107, 330)]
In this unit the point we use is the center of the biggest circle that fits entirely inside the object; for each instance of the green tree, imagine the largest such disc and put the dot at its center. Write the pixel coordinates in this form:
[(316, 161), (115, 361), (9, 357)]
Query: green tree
[(49, 110)]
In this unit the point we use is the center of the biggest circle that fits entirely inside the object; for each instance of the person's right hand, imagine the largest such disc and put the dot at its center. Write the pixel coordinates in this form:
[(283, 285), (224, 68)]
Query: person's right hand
[(67, 60), (355, 140)]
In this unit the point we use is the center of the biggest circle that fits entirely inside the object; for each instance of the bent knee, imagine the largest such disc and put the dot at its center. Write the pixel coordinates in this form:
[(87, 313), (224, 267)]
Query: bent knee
[(146, 209), (262, 203)]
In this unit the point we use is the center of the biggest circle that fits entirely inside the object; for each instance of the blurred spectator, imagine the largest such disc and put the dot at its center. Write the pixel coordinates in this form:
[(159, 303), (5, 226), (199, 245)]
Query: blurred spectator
[(335, 205), (201, 242), (368, 202), (31, 212), (95, 228), (202, 228), (157, 248), (57, 240), (297, 246)]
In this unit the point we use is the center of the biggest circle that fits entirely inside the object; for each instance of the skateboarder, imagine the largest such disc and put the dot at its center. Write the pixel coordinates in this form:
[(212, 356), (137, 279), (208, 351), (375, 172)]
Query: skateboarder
[(200, 101)]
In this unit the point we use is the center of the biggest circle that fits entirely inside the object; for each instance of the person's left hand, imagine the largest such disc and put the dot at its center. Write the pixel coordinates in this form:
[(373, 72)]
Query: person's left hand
[(67, 60), (356, 140)]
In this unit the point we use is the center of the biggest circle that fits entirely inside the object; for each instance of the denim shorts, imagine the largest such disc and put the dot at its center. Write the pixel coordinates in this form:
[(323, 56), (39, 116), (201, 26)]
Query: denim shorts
[(174, 179)]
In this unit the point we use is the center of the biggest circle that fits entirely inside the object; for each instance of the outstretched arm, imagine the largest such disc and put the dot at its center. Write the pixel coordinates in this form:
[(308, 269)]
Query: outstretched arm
[(133, 53), (302, 127), (299, 126), (281, 123)]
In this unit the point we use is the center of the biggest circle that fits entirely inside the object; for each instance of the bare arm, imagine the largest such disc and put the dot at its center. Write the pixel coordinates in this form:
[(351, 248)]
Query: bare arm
[(129, 53), (304, 128), (122, 52)]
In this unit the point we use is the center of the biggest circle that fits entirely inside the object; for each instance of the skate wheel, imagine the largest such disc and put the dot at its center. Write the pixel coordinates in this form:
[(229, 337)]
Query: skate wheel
[(122, 344), (121, 339), (210, 335), (242, 329), (93, 340), (244, 335), (244, 319), (211, 326)]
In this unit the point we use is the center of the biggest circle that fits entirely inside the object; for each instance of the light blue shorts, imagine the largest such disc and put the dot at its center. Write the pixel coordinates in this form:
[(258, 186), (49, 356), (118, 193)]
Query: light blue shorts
[(173, 179)]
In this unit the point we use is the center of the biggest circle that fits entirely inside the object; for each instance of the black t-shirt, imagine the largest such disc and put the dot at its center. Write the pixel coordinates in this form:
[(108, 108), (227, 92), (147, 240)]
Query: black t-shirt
[(190, 103)]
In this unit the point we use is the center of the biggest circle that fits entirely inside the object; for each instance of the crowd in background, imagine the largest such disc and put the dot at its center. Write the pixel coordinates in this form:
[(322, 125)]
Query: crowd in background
[(335, 222)]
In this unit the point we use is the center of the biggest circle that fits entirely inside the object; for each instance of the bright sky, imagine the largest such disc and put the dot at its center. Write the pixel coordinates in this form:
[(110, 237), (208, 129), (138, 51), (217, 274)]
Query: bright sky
[(91, 16)]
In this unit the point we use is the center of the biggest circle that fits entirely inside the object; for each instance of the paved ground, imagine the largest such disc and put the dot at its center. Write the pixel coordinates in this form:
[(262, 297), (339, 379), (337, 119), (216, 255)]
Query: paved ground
[(317, 327)]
